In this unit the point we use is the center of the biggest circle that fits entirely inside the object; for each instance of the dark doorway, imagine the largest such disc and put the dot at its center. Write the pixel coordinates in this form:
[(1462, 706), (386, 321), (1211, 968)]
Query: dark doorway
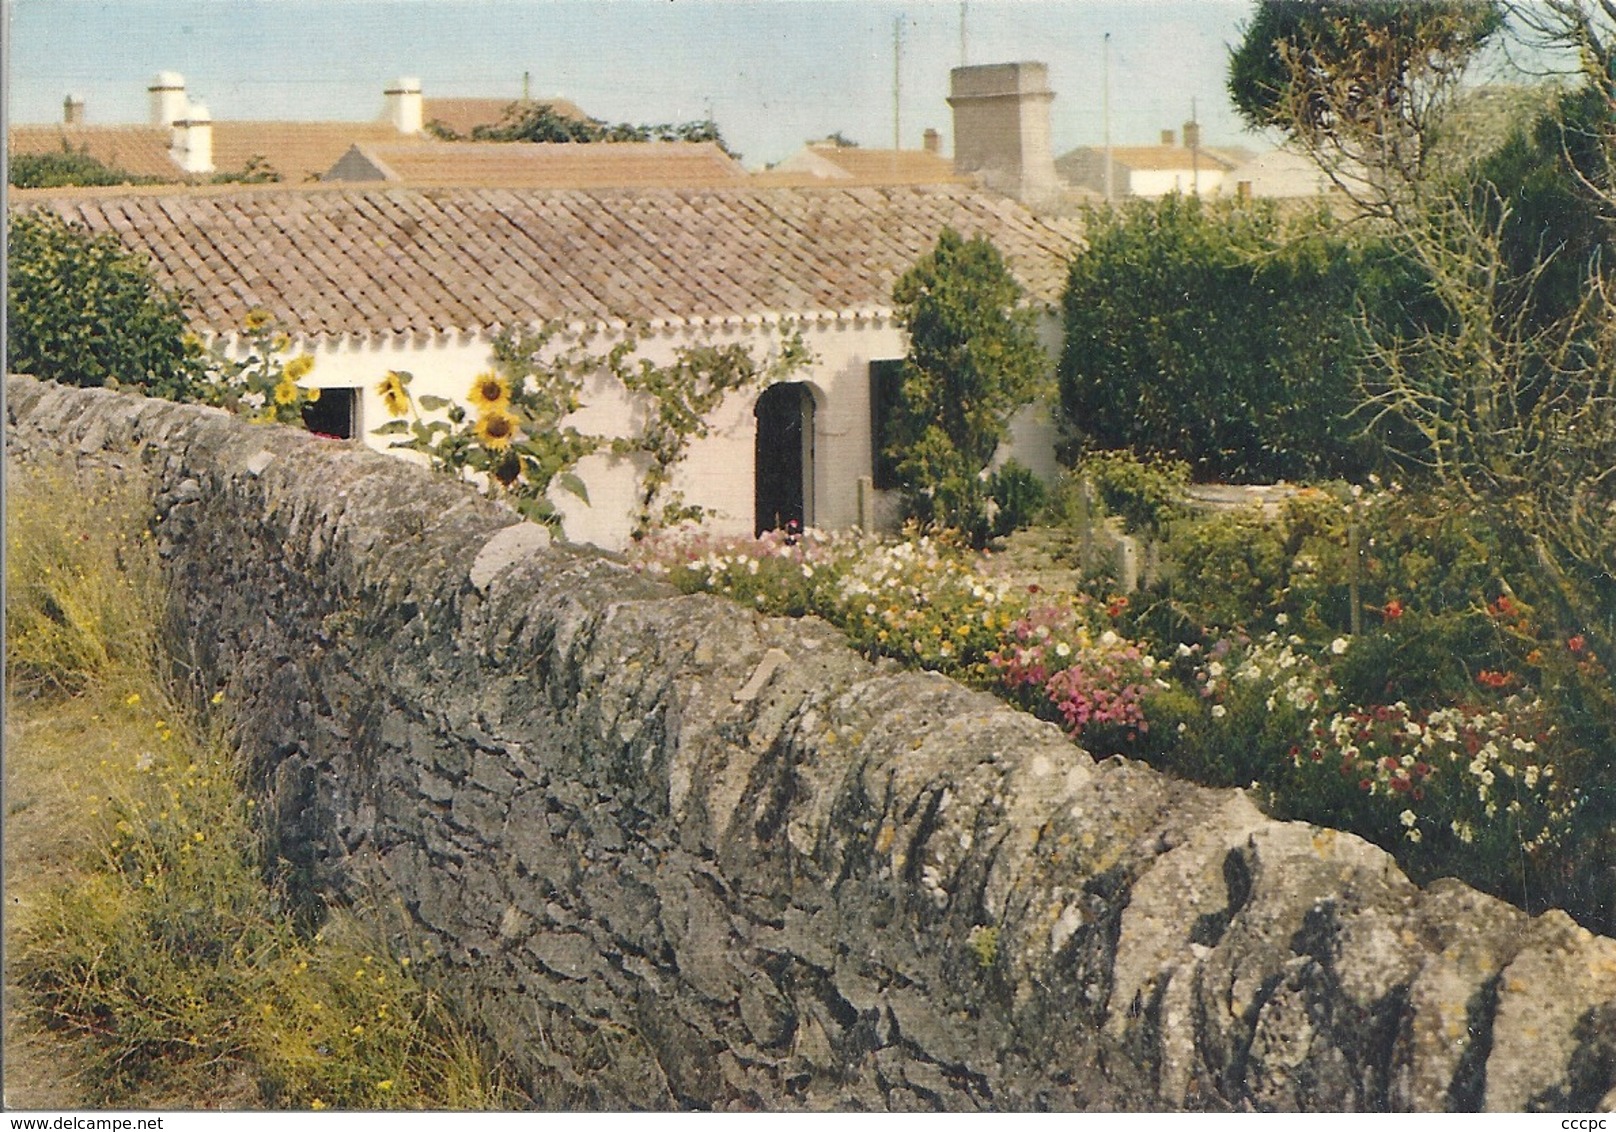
[(784, 457)]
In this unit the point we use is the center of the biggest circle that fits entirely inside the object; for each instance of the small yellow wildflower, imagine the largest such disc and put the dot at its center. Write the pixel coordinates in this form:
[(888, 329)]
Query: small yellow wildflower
[(131, 699), (384, 1086), (298, 368), (218, 698), (391, 390), (316, 1104), (496, 428), (256, 320), (199, 836), (489, 390), (359, 1028)]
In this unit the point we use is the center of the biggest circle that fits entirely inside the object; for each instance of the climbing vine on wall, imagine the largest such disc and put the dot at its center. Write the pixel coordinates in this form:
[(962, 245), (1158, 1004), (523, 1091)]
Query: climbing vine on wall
[(513, 440)]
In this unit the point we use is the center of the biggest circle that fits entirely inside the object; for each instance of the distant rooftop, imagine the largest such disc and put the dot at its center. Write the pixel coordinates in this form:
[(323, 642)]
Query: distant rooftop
[(512, 165)]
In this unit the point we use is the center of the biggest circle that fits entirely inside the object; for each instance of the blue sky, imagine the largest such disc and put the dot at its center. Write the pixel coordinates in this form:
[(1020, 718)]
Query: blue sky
[(773, 73)]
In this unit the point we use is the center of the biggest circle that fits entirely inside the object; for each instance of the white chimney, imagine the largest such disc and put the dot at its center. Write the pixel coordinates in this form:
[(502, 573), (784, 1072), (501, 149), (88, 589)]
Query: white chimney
[(404, 107), (191, 142), (168, 101)]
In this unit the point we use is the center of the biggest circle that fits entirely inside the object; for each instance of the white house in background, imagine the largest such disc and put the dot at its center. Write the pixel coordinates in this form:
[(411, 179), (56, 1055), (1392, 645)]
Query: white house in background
[(1152, 171), (1279, 174), (376, 279)]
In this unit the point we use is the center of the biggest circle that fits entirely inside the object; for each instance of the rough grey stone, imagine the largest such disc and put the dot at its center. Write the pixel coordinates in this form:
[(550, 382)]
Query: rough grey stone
[(675, 855)]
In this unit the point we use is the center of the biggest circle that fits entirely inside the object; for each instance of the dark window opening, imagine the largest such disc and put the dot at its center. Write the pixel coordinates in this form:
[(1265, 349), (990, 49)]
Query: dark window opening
[(886, 379), (336, 413)]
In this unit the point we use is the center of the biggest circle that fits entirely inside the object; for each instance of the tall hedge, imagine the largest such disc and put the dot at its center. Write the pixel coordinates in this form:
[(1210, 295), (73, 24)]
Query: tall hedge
[(1223, 335)]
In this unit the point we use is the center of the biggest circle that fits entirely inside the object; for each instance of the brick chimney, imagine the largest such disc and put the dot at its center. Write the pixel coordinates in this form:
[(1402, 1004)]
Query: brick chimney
[(404, 105), (1192, 135), (191, 142), (168, 101), (931, 141), (1167, 137), (72, 111), (1001, 127)]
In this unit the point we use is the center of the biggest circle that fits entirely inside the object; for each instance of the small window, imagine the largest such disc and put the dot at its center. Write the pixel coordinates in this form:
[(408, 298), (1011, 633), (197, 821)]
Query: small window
[(886, 377), (336, 413)]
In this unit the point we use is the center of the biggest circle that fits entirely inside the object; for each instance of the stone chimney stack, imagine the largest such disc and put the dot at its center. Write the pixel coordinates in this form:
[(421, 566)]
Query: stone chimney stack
[(168, 101), (1192, 135), (72, 111), (191, 142), (404, 105), (931, 141), (1001, 127), (1167, 137)]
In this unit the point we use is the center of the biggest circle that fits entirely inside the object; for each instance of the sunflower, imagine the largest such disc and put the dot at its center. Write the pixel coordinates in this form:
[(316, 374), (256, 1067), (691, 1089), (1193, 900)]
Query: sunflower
[(391, 390), (286, 393), (496, 428), (298, 368), (256, 320), (489, 390)]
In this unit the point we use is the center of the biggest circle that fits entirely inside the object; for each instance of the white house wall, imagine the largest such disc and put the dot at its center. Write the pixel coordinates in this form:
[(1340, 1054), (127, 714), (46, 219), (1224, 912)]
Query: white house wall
[(718, 472), (1160, 182)]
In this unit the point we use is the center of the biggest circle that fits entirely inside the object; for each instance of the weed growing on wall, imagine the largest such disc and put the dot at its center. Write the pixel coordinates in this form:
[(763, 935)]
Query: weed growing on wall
[(161, 956)]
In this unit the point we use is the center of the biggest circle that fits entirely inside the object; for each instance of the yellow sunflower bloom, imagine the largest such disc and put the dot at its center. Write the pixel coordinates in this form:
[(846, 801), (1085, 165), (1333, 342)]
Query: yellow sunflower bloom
[(298, 368), (391, 390), (286, 393), (256, 319), (313, 395), (489, 390), (496, 428)]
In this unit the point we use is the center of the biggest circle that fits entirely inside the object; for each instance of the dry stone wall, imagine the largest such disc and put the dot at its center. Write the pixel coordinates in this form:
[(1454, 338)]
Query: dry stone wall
[(676, 855)]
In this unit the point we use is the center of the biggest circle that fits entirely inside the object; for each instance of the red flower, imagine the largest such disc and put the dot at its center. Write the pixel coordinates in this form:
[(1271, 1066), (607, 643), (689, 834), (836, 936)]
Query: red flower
[(1116, 605), (1576, 643), (1487, 678), (1389, 763), (1364, 784), (1393, 610), (1503, 607)]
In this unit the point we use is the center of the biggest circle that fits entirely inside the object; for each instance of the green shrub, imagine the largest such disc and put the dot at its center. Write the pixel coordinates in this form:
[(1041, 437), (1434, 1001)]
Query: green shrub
[(1146, 493), (83, 311)]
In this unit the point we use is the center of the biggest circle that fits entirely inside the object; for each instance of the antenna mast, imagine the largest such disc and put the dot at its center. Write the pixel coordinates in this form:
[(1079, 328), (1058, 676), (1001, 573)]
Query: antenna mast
[(897, 82), (963, 60), (1105, 114)]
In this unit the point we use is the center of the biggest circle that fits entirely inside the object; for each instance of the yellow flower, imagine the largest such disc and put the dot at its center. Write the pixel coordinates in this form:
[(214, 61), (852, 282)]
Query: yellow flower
[(131, 699), (218, 698), (286, 393), (256, 319), (317, 1104), (489, 390), (391, 391), (384, 1086), (298, 368), (198, 836), (312, 395), (496, 428)]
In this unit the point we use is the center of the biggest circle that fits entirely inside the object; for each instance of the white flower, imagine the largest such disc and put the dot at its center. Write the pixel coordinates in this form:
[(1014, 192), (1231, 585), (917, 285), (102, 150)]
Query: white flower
[(1185, 650), (1407, 818), (1215, 669), (1282, 619), (1219, 711), (1063, 649), (1338, 646)]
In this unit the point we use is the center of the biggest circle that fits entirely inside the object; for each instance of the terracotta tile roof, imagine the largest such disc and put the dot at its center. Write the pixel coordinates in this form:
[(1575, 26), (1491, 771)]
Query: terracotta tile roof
[(422, 262), (138, 150), (1161, 157), (298, 151), (526, 165), (462, 115), (822, 164)]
